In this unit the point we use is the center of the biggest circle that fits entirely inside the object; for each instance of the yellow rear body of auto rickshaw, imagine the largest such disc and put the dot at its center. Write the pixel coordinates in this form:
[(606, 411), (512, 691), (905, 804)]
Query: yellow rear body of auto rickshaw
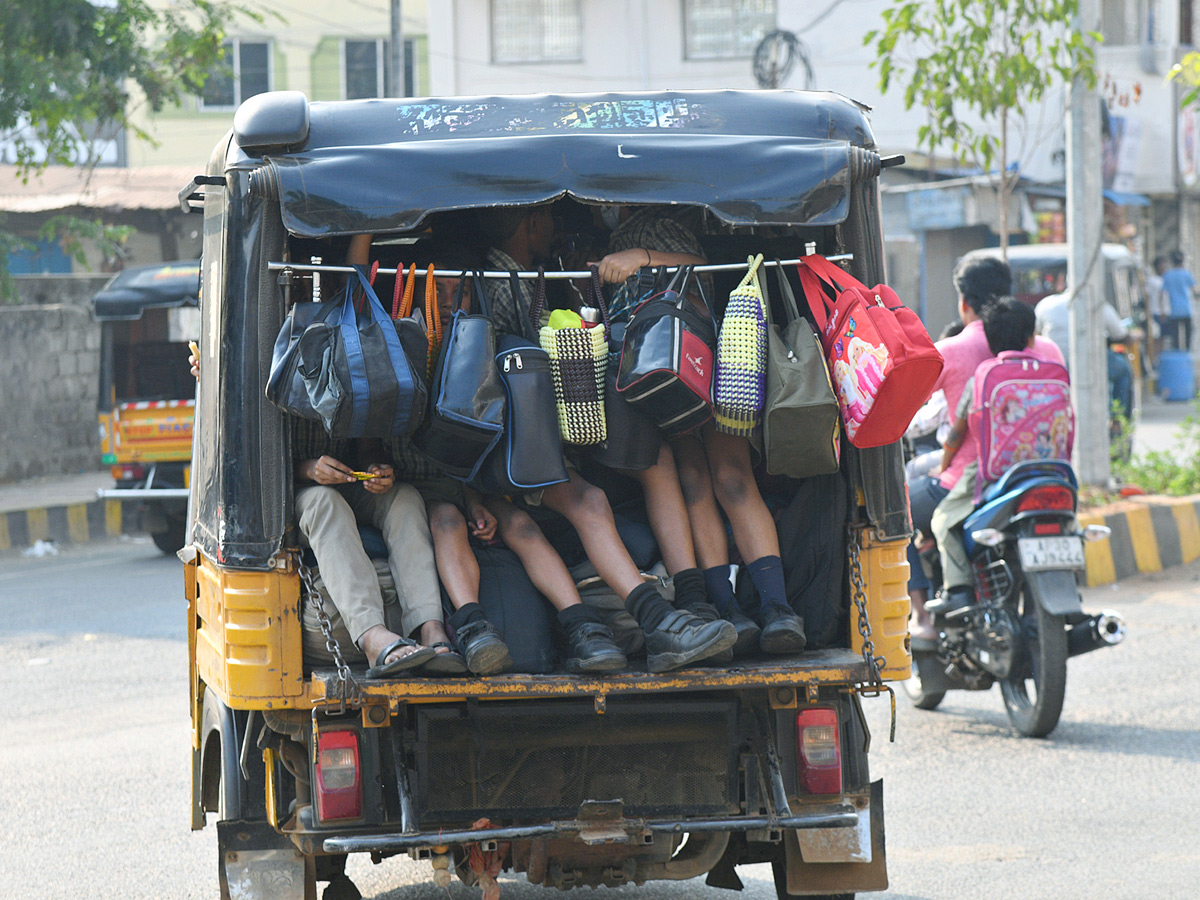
[(571, 780)]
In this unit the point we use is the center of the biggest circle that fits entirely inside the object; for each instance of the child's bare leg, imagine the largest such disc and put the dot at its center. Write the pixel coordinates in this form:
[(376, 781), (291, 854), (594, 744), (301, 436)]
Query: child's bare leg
[(546, 569), (586, 507), (667, 512), (708, 530), (674, 637), (593, 648), (456, 563), (756, 538), (485, 652)]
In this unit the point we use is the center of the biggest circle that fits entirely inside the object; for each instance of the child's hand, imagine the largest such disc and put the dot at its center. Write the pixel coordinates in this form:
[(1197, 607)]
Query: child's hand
[(480, 521), (383, 480)]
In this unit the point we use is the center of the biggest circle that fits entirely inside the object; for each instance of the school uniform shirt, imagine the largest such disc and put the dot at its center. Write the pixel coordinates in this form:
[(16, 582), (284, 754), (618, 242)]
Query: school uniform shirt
[(510, 314), (962, 354)]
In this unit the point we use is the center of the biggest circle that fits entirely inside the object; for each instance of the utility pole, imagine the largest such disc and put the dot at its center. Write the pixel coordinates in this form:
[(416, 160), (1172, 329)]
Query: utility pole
[(396, 56), (1085, 273)]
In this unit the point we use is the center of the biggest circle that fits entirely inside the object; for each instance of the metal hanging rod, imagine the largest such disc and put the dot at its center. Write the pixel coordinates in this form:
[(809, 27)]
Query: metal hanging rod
[(454, 273)]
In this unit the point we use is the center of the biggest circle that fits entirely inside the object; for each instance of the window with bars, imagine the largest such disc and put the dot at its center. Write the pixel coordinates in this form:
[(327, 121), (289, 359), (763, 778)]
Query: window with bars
[(244, 72), (536, 31), (365, 69), (725, 29)]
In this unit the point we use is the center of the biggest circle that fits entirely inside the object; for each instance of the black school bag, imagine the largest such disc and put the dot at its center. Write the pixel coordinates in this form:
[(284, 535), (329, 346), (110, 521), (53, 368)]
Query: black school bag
[(812, 545), (466, 398)]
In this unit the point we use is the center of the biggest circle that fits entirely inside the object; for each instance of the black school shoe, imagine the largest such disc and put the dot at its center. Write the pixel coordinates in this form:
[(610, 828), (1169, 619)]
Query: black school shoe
[(682, 639), (782, 630), (706, 612), (593, 649), (485, 652)]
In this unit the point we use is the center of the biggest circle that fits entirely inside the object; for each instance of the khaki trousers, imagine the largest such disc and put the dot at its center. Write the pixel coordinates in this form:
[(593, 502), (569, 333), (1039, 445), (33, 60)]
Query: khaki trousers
[(329, 518), (945, 521)]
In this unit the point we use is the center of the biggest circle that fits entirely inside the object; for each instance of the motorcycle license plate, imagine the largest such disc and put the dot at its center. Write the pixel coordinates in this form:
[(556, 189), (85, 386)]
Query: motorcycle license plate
[(1062, 552)]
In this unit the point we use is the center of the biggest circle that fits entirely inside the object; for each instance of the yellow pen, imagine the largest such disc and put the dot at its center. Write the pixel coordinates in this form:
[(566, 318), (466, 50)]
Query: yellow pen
[(195, 348), (364, 476)]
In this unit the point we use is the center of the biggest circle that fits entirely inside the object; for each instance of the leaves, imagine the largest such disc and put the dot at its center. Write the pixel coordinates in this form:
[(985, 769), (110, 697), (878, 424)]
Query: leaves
[(69, 65), (978, 60)]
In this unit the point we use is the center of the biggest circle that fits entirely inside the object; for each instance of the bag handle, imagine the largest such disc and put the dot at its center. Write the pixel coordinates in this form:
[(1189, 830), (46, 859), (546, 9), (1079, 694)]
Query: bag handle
[(402, 296), (433, 318), (689, 276), (478, 294), (814, 294), (539, 296), (753, 277), (598, 295), (790, 309)]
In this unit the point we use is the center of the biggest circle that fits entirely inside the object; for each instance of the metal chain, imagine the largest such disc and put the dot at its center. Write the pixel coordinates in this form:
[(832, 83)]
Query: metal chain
[(859, 593), (310, 592)]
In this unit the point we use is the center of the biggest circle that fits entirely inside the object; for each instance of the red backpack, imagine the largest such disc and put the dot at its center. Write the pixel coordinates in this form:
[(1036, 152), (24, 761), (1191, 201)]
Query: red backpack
[(1021, 410)]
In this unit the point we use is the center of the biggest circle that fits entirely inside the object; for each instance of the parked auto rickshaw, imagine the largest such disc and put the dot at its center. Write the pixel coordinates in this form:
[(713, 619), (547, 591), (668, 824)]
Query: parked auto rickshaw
[(147, 394), (688, 773)]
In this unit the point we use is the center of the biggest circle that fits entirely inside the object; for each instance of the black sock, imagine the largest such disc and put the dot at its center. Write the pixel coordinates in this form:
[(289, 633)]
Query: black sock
[(689, 588), (577, 614), (720, 590), (767, 575), (465, 614), (647, 605)]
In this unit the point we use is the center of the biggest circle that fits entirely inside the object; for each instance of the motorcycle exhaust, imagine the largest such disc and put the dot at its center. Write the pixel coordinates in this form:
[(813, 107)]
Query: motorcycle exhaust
[(1105, 629)]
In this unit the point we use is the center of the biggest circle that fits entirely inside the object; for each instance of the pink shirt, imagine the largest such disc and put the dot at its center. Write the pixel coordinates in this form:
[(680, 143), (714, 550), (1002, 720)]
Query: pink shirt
[(963, 353)]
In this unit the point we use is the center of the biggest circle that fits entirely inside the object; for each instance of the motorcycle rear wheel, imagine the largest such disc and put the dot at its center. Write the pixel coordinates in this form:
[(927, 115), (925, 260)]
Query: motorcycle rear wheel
[(1033, 695), (914, 687)]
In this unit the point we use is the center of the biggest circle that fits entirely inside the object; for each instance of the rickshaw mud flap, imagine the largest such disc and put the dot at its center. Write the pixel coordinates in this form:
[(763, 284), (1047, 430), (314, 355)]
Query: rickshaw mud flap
[(256, 861), (1055, 591), (811, 871), (841, 816)]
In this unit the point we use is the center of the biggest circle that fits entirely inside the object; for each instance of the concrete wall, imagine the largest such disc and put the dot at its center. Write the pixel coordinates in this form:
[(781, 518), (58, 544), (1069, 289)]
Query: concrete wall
[(49, 370)]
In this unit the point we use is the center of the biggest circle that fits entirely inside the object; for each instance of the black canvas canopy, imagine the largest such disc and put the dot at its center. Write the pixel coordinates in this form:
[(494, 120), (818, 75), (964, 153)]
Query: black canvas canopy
[(750, 157), (135, 290)]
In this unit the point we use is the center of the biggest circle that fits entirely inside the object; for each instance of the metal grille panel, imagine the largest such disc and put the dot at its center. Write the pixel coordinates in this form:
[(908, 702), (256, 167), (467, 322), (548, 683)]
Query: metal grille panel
[(546, 759)]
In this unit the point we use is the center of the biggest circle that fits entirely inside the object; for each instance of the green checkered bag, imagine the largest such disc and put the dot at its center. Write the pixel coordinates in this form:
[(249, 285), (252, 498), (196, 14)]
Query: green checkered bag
[(739, 386), (578, 360)]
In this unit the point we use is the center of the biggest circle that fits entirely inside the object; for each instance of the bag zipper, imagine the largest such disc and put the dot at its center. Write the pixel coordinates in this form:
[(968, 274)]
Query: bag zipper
[(510, 357)]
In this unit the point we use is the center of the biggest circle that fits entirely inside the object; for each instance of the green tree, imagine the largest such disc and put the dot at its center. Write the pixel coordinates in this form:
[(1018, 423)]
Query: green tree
[(1187, 71), (69, 70), (974, 67)]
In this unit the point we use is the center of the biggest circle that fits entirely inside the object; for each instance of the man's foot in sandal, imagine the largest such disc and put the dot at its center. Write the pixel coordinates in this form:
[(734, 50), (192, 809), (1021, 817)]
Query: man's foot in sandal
[(391, 652), (446, 661)]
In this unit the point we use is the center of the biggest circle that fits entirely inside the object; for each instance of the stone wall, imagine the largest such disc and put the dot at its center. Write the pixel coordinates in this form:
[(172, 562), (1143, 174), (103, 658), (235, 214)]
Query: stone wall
[(49, 377)]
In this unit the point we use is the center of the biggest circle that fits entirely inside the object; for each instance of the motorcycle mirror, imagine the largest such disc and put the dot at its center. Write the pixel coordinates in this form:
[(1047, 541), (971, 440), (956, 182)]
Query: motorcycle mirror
[(988, 537), (1096, 532)]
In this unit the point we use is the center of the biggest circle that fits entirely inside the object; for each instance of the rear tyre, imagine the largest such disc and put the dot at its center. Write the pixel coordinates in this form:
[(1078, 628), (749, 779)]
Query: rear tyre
[(170, 540), (1033, 696), (914, 687)]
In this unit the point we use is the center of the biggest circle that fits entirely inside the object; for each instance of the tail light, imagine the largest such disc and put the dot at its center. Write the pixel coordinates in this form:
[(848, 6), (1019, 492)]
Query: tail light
[(1050, 497), (339, 782), (819, 756), (127, 472)]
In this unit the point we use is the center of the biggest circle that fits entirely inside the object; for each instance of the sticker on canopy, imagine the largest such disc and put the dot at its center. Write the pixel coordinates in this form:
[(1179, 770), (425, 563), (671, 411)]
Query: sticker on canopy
[(562, 115)]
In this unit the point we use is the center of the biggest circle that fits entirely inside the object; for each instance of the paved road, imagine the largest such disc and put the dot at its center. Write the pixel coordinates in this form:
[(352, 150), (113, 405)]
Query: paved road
[(94, 758)]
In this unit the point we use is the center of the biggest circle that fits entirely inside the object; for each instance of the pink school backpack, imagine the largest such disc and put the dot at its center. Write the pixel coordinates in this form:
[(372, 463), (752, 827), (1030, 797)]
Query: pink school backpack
[(1021, 410)]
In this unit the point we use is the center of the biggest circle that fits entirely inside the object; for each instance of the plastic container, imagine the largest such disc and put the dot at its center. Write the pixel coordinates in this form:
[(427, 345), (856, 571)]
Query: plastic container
[(1176, 375)]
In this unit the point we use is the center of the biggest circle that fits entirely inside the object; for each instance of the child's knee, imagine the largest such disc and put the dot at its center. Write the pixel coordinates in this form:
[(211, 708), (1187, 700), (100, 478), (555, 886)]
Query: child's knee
[(445, 519), (731, 483), (518, 528)]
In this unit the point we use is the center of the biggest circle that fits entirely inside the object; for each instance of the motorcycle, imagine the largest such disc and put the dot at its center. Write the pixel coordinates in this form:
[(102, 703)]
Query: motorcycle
[(1028, 617)]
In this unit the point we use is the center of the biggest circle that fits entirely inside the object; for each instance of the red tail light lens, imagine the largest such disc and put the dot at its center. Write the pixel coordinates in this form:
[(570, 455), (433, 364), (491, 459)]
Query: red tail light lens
[(127, 472), (1052, 497), (339, 780), (819, 751)]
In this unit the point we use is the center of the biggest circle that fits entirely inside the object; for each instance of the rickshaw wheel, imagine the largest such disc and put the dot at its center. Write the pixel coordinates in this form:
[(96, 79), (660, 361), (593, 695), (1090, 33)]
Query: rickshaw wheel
[(170, 540)]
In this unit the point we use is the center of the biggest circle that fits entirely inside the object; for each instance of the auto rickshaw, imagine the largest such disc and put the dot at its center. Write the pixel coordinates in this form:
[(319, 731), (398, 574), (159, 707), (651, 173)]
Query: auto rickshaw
[(571, 780), (147, 394)]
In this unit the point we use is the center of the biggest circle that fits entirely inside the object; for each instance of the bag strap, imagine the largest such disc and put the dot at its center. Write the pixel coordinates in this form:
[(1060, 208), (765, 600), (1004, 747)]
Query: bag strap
[(433, 318), (831, 273), (814, 294), (790, 310), (598, 295), (539, 296), (753, 278), (402, 295)]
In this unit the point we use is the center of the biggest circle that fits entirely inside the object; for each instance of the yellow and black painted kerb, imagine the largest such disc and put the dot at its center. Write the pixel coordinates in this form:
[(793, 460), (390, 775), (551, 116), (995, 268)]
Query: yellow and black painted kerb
[(76, 523), (1146, 538)]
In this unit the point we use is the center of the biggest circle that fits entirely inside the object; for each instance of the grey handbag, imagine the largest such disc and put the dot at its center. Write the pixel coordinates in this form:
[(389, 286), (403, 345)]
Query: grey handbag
[(801, 422)]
